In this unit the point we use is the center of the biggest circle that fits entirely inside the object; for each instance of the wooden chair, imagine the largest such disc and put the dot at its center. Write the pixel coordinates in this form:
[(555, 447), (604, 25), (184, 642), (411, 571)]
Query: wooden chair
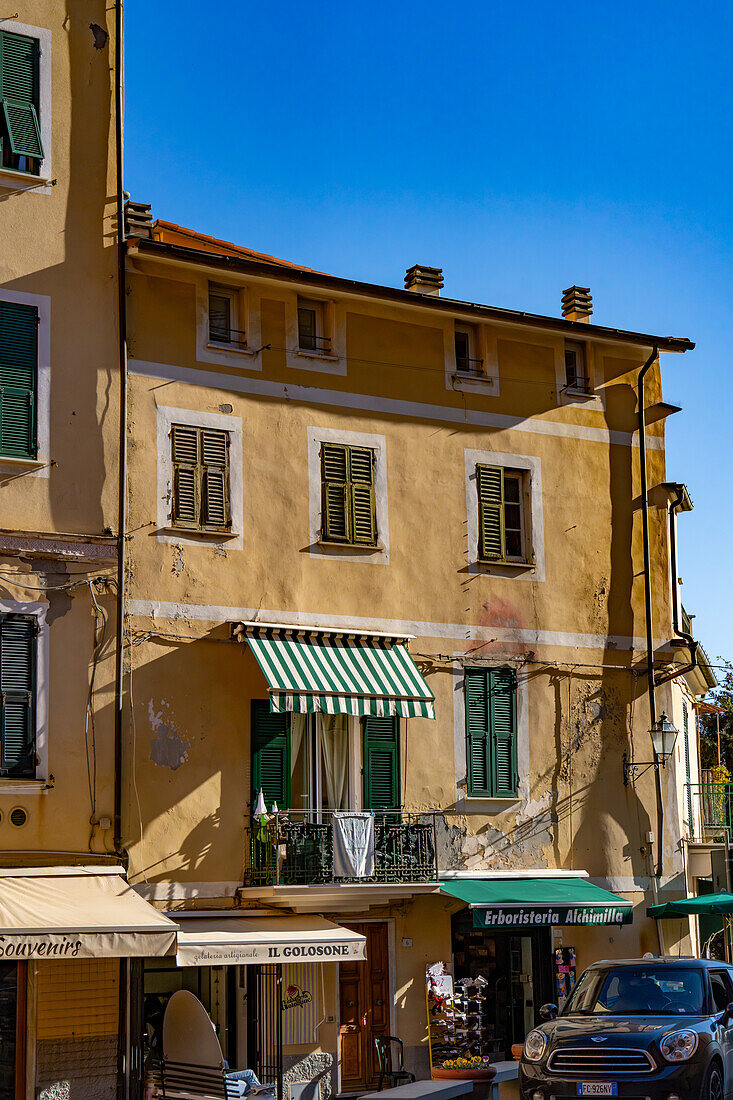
[(384, 1046)]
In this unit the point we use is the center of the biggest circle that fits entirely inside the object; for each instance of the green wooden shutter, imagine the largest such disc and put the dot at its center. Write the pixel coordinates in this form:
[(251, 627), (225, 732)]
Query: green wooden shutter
[(215, 478), (381, 763), (686, 731), (491, 749), (490, 490), (270, 745), (186, 475), (18, 379), (19, 94), (334, 493), (361, 471), (502, 716), (478, 762), (17, 694)]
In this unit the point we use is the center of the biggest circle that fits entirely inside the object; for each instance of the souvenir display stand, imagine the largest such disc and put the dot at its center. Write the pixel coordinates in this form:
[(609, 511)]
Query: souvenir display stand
[(457, 1033)]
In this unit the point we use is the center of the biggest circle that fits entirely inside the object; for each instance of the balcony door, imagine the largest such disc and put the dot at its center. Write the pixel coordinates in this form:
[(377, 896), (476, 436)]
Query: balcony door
[(322, 763), (363, 1008)]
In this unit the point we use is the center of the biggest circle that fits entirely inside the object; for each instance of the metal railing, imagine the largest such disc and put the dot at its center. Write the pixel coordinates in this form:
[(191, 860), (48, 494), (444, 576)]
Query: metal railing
[(235, 337), (469, 366), (308, 342), (711, 808), (295, 848), (578, 383)]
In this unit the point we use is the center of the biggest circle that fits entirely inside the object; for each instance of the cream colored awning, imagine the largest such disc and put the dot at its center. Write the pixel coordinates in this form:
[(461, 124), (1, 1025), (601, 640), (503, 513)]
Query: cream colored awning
[(236, 941), (77, 913)]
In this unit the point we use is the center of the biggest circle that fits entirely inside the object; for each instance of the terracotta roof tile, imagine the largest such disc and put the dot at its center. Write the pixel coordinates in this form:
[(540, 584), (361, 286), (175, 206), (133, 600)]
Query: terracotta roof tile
[(170, 233)]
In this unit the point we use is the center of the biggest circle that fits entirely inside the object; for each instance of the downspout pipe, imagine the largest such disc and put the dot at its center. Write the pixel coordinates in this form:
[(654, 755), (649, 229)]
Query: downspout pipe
[(689, 641), (122, 465), (648, 599)]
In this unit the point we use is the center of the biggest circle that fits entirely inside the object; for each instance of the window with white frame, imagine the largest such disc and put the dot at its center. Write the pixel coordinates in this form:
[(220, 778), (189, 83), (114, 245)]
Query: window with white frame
[(313, 333), (502, 523), (468, 357), (577, 378), (226, 317), (21, 146)]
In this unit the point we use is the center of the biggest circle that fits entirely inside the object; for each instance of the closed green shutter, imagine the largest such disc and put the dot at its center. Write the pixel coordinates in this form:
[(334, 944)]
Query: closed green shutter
[(490, 490), (270, 745), (381, 763), (347, 494), (214, 478), (364, 522), (18, 379), (17, 694), (334, 492), (491, 751), (478, 762), (19, 94), (502, 708)]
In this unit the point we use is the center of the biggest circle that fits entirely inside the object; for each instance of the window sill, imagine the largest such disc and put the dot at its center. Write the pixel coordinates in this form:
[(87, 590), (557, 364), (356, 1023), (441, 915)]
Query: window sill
[(359, 548), (10, 177), (320, 355), (247, 352), (25, 786), (23, 463), (476, 804), (583, 395), (503, 564), (482, 384), (187, 532)]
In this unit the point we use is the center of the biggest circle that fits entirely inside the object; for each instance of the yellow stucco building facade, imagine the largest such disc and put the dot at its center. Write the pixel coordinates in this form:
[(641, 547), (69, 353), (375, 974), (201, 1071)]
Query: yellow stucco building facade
[(390, 469)]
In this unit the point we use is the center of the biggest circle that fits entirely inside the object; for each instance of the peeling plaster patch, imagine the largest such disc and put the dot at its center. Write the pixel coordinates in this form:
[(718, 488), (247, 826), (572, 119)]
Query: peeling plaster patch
[(167, 748), (220, 551), (227, 409), (178, 563)]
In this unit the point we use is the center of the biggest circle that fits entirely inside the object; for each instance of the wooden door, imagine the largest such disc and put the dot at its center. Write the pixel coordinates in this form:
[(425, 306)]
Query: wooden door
[(364, 1008)]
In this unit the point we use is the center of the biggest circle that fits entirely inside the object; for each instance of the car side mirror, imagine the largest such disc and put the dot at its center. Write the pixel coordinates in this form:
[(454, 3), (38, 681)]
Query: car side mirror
[(549, 1012), (727, 1015)]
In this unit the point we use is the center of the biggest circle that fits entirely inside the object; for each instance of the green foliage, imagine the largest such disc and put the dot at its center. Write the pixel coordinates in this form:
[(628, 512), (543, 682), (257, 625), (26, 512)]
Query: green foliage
[(722, 696)]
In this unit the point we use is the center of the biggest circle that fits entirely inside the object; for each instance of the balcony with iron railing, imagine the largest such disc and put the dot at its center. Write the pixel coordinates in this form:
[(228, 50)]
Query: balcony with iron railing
[(295, 848), (710, 807)]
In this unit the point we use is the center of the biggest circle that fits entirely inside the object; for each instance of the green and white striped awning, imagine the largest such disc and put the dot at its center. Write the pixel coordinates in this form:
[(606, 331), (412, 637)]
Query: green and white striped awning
[(315, 672)]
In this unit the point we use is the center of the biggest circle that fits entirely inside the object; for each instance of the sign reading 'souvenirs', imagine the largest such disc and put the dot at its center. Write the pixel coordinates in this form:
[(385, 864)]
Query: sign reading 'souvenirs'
[(544, 916)]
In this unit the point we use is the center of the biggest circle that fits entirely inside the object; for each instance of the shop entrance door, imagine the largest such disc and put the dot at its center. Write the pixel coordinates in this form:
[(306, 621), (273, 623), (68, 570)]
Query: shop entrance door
[(363, 1008)]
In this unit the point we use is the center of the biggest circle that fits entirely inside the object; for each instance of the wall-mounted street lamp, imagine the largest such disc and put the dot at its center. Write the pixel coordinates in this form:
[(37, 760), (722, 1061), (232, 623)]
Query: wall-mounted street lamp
[(663, 734)]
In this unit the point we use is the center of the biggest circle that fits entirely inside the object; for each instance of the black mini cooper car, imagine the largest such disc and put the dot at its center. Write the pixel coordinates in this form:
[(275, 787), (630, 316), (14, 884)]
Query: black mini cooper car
[(655, 1028)]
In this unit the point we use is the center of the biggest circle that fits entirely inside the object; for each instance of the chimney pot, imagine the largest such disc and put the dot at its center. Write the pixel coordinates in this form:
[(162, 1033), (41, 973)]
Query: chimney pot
[(424, 280), (138, 219), (577, 303)]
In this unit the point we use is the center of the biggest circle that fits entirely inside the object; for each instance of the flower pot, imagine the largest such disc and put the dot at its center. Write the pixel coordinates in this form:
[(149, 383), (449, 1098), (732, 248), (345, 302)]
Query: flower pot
[(466, 1074)]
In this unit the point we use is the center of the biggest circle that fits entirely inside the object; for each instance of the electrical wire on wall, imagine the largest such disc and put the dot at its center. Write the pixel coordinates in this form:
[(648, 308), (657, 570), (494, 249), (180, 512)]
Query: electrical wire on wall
[(100, 635)]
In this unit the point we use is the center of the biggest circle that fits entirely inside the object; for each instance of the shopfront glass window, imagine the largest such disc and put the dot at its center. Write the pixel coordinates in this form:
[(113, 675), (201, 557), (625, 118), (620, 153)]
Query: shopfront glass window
[(8, 1028)]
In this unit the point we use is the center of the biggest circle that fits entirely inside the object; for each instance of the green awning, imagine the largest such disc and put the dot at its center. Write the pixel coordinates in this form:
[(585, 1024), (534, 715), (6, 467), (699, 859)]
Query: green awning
[(316, 672), (716, 904), (534, 902)]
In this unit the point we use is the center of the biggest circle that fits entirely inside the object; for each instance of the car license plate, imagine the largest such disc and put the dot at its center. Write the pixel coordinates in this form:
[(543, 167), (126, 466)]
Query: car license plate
[(597, 1088)]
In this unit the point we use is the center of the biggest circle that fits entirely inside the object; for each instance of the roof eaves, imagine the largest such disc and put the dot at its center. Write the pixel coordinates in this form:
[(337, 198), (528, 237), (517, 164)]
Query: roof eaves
[(410, 298)]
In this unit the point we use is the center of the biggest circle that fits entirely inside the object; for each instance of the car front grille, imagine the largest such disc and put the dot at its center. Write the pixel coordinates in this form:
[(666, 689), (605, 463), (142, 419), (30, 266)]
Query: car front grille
[(606, 1062)]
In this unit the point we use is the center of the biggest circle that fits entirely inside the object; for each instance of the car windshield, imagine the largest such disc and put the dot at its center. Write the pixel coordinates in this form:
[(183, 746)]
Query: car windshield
[(638, 991)]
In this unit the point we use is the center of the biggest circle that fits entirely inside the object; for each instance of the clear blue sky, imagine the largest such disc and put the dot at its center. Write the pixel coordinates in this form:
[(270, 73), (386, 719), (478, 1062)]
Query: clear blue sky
[(518, 150)]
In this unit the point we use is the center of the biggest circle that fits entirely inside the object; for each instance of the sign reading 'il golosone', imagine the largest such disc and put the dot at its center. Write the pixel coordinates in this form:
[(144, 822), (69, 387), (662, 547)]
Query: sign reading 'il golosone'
[(542, 916)]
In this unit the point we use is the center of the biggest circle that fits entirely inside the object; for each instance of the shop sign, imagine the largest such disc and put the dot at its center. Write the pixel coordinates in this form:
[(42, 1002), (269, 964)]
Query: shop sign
[(544, 916), (191, 954)]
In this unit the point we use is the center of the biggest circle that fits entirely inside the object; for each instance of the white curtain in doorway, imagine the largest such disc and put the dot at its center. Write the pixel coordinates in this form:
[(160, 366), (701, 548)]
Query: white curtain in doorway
[(335, 749)]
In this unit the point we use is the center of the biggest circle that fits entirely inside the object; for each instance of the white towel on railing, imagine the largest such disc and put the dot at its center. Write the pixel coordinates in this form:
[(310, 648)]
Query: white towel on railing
[(353, 845)]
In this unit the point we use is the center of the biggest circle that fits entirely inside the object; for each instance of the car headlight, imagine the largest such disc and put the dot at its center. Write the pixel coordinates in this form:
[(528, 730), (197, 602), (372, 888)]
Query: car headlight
[(679, 1046), (534, 1046)]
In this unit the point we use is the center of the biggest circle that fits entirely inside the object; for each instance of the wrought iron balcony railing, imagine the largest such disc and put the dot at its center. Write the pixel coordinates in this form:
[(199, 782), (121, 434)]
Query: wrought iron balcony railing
[(295, 848), (710, 805)]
